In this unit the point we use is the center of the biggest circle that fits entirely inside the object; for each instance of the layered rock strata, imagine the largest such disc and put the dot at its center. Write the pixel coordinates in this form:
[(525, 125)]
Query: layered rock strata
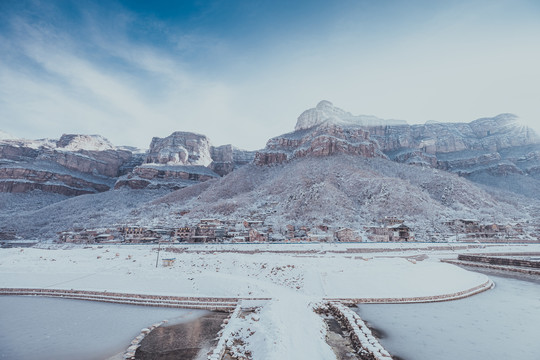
[(183, 159), (496, 146), (72, 165)]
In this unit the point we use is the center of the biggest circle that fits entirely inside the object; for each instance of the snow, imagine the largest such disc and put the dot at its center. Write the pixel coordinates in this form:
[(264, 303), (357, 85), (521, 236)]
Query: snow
[(285, 328), (190, 169), (86, 142), (231, 274), (293, 277), (326, 112)]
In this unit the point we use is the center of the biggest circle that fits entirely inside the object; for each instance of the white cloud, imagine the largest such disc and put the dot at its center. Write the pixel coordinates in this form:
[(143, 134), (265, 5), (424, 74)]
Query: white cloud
[(443, 69)]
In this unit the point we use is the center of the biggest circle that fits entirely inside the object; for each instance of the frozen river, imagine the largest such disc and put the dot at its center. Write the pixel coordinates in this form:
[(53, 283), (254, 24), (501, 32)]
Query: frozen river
[(46, 328), (502, 323)]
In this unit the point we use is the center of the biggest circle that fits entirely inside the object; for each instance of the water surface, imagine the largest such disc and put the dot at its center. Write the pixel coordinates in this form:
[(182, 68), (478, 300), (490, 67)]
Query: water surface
[(62, 329), (502, 323)]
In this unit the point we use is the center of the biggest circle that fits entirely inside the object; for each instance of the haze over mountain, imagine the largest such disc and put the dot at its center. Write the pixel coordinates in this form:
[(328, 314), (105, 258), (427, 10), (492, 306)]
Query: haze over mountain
[(335, 169)]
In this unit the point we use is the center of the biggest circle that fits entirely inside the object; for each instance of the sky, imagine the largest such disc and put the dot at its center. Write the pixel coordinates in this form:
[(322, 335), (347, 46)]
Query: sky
[(241, 72)]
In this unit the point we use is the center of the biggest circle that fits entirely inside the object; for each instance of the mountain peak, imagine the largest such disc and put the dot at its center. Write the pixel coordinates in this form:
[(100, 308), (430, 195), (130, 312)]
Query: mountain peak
[(75, 142), (326, 112)]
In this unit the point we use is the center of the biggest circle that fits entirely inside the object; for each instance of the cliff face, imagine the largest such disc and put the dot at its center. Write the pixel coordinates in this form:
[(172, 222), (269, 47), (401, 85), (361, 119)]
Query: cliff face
[(180, 148), (24, 179), (183, 159), (496, 146), (485, 150), (227, 158), (73, 165), (322, 140)]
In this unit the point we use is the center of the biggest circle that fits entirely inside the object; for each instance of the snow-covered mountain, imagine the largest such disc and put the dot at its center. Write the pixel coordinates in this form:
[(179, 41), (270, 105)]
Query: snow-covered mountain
[(326, 112), (334, 169), (485, 150), (183, 159), (76, 142), (71, 165)]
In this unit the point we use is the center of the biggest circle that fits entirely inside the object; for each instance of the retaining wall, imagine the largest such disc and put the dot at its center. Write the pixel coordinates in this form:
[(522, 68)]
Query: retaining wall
[(499, 260), (129, 354), (363, 341), (529, 271), (204, 303), (224, 337), (419, 299)]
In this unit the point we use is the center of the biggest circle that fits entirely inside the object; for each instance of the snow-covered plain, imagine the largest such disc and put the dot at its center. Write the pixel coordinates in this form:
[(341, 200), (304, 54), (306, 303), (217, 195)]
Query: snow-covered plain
[(295, 277), (132, 269)]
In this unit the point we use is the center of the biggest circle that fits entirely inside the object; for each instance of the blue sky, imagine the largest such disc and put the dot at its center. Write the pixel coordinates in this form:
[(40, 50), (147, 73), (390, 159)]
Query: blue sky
[(242, 71)]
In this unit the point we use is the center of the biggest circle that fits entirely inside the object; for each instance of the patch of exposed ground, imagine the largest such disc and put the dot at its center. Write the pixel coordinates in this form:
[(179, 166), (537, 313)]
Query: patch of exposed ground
[(339, 340), (187, 341)]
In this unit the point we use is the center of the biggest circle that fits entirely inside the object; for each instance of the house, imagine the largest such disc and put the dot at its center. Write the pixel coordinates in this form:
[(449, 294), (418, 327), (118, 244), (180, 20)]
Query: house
[(168, 262), (319, 236), (347, 235), (400, 232), (256, 236), (378, 233), (253, 224), (183, 233)]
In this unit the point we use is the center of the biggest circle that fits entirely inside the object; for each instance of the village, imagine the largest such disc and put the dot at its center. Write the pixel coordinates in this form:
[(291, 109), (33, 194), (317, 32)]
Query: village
[(389, 229)]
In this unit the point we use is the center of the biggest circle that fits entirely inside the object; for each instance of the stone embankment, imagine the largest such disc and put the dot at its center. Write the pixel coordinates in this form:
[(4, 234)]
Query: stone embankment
[(129, 354), (203, 303), (417, 299), (364, 343), (499, 260), (225, 336), (498, 263), (183, 249)]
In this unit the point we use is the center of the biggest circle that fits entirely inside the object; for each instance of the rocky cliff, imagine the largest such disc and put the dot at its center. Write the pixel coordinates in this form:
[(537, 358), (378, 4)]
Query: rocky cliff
[(227, 158), (485, 150), (71, 165), (321, 140), (496, 146), (180, 148), (183, 159)]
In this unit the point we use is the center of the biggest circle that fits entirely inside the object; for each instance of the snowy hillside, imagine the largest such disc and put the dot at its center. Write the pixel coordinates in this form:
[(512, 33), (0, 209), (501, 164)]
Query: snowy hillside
[(340, 191)]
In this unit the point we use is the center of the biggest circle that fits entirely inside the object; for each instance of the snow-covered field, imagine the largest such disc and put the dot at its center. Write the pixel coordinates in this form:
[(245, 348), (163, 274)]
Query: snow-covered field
[(132, 269), (294, 276)]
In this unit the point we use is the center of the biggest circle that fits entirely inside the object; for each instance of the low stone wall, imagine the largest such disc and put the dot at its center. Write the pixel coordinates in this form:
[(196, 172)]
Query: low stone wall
[(225, 336), (218, 304), (419, 299), (529, 271), (203, 303), (129, 354), (500, 260), (360, 250), (363, 341)]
